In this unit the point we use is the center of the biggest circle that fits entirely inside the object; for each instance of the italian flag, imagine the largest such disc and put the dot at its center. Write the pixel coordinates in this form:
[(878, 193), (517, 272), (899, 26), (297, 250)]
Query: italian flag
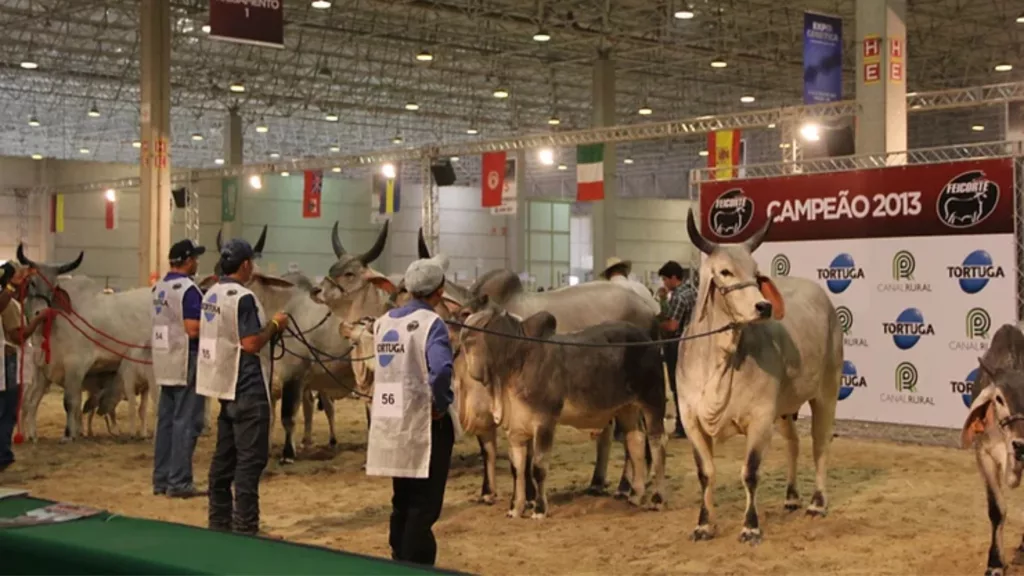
[(590, 172)]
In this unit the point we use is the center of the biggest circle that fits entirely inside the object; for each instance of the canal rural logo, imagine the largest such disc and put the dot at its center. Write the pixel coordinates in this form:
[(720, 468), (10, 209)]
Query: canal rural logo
[(964, 388), (967, 200), (903, 267), (977, 324), (389, 347), (850, 380), (975, 272), (845, 316), (841, 272), (780, 265), (906, 380), (908, 328), (731, 213)]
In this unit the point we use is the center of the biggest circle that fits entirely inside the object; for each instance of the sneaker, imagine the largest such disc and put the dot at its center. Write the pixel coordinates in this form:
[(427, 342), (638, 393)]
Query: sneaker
[(189, 491)]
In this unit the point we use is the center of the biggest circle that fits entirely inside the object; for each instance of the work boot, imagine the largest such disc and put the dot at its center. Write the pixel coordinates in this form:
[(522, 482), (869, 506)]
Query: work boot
[(189, 491)]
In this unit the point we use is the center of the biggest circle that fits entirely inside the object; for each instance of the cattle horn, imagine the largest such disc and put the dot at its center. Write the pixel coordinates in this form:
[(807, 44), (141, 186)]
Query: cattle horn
[(70, 266), (755, 241), (339, 250), (258, 248), (374, 252), (422, 245), (703, 244), (219, 242), (24, 259)]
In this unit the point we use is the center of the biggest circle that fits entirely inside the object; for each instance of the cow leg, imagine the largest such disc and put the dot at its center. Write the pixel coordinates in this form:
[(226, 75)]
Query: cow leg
[(604, 448), (291, 397), (654, 452), (759, 433), (489, 454), (543, 438), (517, 458), (787, 427), (73, 404), (328, 404), (823, 416), (991, 472), (88, 421), (704, 458), (33, 394), (634, 441), (129, 392), (307, 418), (531, 487)]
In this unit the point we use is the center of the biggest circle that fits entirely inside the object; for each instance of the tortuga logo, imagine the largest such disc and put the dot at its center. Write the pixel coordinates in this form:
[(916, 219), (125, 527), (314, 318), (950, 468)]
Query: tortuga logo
[(160, 302), (850, 380), (964, 388), (731, 213), (841, 272), (389, 347), (908, 328), (975, 272), (967, 200), (210, 307)]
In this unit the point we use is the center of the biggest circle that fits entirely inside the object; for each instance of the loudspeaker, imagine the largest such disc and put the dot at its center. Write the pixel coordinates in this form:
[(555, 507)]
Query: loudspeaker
[(444, 174), (179, 196), (840, 142)]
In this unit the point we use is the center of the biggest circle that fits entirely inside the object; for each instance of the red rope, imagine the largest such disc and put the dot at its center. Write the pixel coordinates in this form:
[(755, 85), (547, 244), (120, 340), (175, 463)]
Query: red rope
[(48, 328), (90, 326)]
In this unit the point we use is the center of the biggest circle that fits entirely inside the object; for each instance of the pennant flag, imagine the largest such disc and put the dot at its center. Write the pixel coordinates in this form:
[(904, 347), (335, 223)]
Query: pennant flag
[(111, 214), (493, 180), (389, 191), (724, 153), (311, 193), (590, 172), (228, 199), (57, 213)]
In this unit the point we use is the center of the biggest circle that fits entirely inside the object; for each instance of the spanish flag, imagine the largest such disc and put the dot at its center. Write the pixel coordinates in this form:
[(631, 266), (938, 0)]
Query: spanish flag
[(57, 213), (389, 191), (724, 153)]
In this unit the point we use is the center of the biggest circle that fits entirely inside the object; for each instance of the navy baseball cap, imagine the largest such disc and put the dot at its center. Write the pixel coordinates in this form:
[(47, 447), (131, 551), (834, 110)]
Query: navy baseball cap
[(183, 250), (236, 250)]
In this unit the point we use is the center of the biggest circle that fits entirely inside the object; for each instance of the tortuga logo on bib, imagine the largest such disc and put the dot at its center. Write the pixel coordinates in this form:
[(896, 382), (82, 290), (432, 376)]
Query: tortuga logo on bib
[(160, 302), (389, 347), (210, 308)]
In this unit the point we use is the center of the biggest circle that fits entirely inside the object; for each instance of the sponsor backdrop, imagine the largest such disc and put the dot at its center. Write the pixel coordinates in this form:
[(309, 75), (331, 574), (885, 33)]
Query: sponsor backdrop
[(918, 260)]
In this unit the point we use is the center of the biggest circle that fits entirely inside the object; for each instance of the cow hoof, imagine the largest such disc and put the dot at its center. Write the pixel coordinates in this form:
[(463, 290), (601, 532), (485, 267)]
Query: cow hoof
[(530, 504), (994, 572), (285, 460), (488, 499), (1018, 557), (596, 490), (751, 536), (538, 516), (635, 500), (513, 513), (66, 439), (333, 442), (702, 533), (792, 506), (656, 503), (816, 511), (307, 442)]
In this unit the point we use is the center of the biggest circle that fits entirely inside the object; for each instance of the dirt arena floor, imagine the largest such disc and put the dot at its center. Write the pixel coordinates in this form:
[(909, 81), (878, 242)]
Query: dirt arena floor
[(894, 509)]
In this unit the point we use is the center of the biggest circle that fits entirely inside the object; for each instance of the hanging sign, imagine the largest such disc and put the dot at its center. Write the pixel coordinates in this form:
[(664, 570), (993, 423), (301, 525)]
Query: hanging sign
[(872, 59), (823, 58), (228, 199), (259, 22)]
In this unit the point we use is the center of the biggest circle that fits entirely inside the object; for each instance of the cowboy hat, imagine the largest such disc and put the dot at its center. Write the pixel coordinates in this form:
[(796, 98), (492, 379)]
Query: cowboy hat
[(616, 262)]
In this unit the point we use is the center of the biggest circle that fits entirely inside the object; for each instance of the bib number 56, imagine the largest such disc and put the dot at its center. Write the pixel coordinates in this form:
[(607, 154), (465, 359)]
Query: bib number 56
[(387, 399)]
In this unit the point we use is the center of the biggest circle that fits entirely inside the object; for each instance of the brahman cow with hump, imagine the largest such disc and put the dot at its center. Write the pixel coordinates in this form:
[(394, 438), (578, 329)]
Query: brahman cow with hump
[(784, 347), (536, 385), (995, 429)]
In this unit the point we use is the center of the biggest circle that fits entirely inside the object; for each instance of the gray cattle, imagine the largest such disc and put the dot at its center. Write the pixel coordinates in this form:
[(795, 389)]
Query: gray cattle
[(352, 289), (784, 347), (995, 429), (124, 315), (536, 386)]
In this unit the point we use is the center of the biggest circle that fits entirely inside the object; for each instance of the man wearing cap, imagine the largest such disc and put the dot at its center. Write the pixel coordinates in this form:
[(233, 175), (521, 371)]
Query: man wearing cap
[(12, 335), (412, 429), (175, 343), (617, 270), (232, 332)]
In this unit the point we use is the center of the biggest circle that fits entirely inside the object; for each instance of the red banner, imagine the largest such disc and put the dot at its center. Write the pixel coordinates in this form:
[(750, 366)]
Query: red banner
[(311, 192), (259, 23), (493, 180), (969, 197)]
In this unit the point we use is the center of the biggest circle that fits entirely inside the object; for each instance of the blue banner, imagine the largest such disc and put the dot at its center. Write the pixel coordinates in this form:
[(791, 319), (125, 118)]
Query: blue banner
[(823, 58)]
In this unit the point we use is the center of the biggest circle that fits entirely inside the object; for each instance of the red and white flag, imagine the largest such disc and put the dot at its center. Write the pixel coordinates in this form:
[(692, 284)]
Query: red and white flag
[(492, 181), (311, 193), (111, 213)]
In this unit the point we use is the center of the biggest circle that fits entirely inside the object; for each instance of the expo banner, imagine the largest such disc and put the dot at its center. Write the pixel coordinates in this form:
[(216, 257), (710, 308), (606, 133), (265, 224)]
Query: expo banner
[(823, 58), (918, 260)]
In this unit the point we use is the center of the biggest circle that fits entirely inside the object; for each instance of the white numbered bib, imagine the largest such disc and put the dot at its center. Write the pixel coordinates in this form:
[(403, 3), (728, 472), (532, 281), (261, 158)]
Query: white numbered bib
[(160, 338), (388, 400), (207, 350)]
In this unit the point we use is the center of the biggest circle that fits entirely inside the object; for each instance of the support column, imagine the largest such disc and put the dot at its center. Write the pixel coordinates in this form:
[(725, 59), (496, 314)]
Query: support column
[(603, 222), (233, 157), (430, 218), (155, 165), (518, 235), (881, 77)]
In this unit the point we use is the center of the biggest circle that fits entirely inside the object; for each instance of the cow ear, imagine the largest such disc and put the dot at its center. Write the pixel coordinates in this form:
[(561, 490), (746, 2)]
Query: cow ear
[(541, 325), (772, 295), (379, 280), (979, 418), (272, 281), (451, 305)]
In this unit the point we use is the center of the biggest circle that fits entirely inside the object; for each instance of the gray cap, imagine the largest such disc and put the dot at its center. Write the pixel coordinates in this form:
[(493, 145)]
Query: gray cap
[(424, 276)]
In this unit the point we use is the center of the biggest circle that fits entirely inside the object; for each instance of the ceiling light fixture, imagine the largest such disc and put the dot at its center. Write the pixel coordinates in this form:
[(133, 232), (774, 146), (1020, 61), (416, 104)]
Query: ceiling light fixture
[(285, 173), (702, 153), (546, 156), (541, 36), (1003, 67), (83, 150), (772, 125), (331, 117), (37, 156), (685, 14), (501, 92), (978, 127), (237, 87), (747, 99), (255, 182), (645, 110), (424, 56), (94, 112), (811, 132), (412, 106), (336, 169), (218, 161), (335, 148), (111, 195), (1020, 19), (388, 170), (719, 63), (275, 155), (320, 4), (554, 121), (453, 159), (396, 140), (136, 144), (29, 64), (197, 137), (206, 28), (262, 128), (33, 121), (472, 131), (627, 160)]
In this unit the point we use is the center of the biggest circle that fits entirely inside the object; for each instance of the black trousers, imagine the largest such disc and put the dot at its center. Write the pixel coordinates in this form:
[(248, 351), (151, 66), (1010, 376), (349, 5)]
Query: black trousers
[(671, 354), (243, 446), (416, 503)]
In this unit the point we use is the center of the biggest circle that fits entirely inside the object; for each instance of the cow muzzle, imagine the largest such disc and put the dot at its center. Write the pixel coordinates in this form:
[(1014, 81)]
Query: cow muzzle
[(1018, 450)]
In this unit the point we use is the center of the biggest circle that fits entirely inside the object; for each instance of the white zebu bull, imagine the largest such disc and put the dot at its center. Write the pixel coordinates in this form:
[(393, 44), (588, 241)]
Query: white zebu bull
[(784, 348), (124, 315)]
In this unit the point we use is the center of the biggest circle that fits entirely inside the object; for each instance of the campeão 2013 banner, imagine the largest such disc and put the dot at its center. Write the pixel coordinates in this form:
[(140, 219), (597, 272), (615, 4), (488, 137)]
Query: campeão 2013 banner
[(918, 260)]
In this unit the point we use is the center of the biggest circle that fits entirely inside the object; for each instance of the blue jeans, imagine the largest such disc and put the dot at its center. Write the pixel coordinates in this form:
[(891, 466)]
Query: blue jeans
[(179, 423), (8, 410)]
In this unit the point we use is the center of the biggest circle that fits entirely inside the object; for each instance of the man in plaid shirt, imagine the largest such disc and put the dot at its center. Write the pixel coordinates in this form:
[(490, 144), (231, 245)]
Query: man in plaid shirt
[(675, 315)]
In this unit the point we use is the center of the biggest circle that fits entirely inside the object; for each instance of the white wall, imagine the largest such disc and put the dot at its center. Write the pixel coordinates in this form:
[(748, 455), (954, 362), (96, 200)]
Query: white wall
[(652, 231), (20, 173)]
